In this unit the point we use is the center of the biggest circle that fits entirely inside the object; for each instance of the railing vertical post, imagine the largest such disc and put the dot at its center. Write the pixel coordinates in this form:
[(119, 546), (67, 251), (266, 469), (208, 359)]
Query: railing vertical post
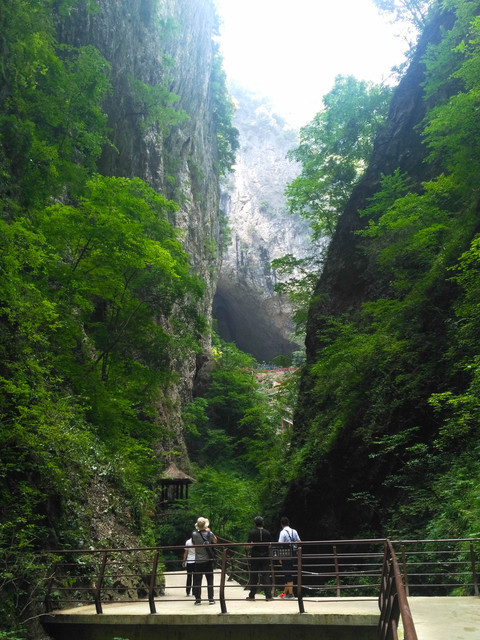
[(405, 574), (223, 571), (383, 597), (474, 569), (337, 570), (153, 580), (301, 608), (272, 568), (98, 590), (48, 601)]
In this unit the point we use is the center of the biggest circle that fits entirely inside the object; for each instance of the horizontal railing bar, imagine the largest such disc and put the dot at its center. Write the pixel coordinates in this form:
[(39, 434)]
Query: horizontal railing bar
[(433, 540), (220, 544), (379, 541)]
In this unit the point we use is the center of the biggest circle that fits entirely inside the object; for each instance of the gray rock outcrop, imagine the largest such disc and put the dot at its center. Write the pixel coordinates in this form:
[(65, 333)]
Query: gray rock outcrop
[(169, 43), (247, 309)]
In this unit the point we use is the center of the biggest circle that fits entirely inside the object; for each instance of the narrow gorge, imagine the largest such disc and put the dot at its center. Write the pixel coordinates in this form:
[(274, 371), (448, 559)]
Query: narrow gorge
[(142, 202), (246, 307)]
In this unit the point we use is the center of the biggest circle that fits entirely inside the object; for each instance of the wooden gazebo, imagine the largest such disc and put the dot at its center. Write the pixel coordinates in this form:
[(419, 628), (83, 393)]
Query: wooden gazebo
[(174, 485)]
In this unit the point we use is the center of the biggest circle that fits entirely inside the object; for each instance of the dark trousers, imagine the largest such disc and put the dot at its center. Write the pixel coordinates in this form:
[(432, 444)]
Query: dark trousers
[(190, 570), (287, 566), (260, 576), (203, 569)]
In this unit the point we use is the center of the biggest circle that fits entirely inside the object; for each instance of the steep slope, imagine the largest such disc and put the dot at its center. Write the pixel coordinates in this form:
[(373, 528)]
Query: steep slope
[(357, 416), (110, 117)]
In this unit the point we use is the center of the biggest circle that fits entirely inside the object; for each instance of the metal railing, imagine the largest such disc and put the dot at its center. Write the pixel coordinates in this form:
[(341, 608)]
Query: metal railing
[(439, 567), (362, 569), (392, 601)]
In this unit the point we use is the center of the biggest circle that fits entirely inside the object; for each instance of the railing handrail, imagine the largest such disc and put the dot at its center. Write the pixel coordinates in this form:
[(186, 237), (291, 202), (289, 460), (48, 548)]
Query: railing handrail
[(393, 601), (224, 541), (229, 543)]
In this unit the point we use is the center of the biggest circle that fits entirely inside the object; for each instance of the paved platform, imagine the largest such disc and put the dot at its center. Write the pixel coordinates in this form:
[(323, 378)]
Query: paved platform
[(174, 602), (453, 618)]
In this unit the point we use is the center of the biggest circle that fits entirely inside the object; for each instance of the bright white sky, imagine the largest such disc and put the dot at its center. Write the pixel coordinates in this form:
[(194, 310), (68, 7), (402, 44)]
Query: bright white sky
[(290, 51)]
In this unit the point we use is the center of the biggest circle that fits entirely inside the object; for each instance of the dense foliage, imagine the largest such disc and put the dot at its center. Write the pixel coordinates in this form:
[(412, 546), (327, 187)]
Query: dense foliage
[(392, 386), (405, 11), (333, 151), (236, 442), (97, 299)]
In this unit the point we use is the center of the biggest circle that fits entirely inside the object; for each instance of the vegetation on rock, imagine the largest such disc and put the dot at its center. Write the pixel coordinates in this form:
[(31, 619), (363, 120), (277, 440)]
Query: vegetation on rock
[(97, 301), (389, 389)]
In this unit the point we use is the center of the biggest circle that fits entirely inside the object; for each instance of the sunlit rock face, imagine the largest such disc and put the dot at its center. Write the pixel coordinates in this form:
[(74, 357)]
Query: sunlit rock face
[(246, 307), (167, 42)]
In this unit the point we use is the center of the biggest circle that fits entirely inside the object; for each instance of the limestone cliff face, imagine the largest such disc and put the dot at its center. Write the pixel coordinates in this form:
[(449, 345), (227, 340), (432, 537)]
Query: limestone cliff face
[(246, 307), (167, 42)]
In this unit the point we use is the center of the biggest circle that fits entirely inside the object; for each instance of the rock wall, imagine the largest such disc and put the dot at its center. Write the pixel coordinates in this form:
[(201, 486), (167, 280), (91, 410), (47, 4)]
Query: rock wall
[(246, 307), (167, 42)]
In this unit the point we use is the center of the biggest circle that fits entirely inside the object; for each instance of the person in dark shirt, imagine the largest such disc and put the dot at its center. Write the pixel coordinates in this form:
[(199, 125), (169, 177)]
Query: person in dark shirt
[(259, 560)]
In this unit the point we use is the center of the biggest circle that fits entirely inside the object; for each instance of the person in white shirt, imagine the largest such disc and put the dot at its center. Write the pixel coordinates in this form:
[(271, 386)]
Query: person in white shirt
[(287, 534), (189, 563)]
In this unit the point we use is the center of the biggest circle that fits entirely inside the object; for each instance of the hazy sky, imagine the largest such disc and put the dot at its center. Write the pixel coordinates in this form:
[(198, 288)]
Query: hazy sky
[(291, 50)]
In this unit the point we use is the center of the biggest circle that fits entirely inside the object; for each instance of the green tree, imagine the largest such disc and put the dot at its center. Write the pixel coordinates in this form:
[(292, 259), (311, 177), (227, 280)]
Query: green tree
[(334, 151), (52, 126), (227, 499), (297, 279), (217, 422), (121, 268), (154, 106), (223, 112), (410, 11)]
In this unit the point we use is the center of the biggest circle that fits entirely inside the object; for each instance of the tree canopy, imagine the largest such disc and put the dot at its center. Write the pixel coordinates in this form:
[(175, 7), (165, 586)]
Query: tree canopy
[(334, 150)]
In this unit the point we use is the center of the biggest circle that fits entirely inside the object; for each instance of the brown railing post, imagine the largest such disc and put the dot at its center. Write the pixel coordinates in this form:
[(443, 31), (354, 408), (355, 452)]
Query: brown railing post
[(153, 580), (384, 597), (272, 568), (48, 601), (223, 605), (393, 601), (301, 608), (98, 589), (337, 571), (474, 569), (405, 574)]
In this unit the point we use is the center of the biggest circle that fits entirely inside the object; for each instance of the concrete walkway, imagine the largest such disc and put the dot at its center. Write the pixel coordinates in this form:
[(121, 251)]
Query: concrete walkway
[(175, 602), (453, 618)]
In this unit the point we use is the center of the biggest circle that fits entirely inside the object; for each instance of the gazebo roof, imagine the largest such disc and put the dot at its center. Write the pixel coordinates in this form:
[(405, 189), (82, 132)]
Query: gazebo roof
[(173, 474)]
